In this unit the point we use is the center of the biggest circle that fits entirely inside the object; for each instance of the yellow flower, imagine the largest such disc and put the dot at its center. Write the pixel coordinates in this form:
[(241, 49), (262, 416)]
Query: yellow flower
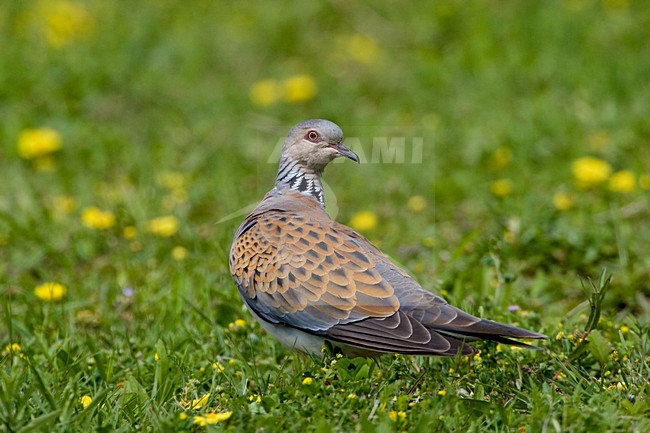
[(501, 158), (623, 181), (442, 392), (218, 367), (363, 221), (589, 171), (163, 226), (179, 253), (64, 21), (394, 415), (129, 232), (416, 204), (50, 291), (362, 48), (64, 204), (352, 396), (255, 398), (156, 357), (171, 180), (34, 143), (237, 324), (85, 401), (299, 88), (562, 201), (644, 181), (197, 403), (182, 416), (12, 348), (501, 187), (559, 335), (264, 93), (211, 418), (624, 329), (96, 218), (307, 381)]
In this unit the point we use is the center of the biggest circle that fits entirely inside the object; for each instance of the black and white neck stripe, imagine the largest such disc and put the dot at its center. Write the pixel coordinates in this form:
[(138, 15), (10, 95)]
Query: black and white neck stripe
[(295, 177)]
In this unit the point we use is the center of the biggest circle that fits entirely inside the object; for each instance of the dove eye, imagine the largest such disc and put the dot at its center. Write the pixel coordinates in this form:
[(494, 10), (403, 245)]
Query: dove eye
[(312, 136)]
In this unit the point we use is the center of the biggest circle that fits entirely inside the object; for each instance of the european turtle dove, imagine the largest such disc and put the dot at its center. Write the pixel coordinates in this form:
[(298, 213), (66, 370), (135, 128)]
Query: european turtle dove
[(309, 280)]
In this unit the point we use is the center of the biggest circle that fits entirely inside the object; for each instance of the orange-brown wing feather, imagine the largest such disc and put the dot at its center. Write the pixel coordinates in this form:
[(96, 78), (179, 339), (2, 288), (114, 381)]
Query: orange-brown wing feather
[(300, 271)]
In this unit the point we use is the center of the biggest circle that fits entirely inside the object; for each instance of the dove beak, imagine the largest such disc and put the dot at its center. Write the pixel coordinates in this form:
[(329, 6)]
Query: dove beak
[(345, 151)]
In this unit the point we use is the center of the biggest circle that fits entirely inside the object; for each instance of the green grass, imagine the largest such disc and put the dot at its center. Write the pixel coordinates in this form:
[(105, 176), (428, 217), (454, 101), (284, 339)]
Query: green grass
[(141, 89)]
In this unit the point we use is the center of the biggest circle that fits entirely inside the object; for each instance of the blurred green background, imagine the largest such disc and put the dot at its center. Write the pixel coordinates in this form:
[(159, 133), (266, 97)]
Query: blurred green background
[(134, 136)]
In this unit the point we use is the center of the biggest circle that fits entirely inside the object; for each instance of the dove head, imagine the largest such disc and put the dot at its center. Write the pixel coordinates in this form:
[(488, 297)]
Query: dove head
[(315, 143)]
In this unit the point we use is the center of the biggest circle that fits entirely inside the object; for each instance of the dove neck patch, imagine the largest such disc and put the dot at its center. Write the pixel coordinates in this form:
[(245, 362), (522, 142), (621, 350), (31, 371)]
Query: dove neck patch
[(294, 177)]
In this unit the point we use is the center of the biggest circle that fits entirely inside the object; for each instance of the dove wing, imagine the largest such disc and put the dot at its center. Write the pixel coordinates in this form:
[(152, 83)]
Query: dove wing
[(297, 271)]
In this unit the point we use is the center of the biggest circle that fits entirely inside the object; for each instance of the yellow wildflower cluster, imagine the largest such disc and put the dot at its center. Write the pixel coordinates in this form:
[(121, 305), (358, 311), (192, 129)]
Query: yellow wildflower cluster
[(64, 204), (196, 403), (62, 21), (179, 253), (563, 201), (299, 88), (211, 418), (171, 180), (590, 171), (416, 204), (295, 89), (395, 415), (363, 221), (164, 226), (12, 348), (37, 143), (85, 401), (501, 187), (237, 325), (501, 158), (96, 218), (129, 232), (307, 381), (623, 181), (50, 291), (361, 48)]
